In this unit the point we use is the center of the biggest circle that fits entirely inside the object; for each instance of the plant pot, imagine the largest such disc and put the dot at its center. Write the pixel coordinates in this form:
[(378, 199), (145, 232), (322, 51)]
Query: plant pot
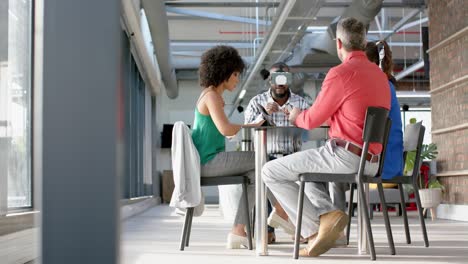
[(430, 198)]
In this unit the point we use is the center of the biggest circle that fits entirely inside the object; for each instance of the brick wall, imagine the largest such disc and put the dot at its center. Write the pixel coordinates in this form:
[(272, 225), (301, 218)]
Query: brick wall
[(446, 17), (455, 189), (449, 94)]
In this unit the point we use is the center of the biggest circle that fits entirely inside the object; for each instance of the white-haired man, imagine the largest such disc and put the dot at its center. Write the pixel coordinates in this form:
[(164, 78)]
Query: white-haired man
[(347, 91)]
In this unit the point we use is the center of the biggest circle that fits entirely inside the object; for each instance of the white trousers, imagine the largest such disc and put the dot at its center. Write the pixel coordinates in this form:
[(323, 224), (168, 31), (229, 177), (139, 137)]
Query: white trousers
[(281, 175)]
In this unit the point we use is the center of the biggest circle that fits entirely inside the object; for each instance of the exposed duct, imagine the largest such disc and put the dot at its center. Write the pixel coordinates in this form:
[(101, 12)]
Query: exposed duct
[(264, 49), (149, 69), (157, 20), (192, 63), (418, 65), (321, 47)]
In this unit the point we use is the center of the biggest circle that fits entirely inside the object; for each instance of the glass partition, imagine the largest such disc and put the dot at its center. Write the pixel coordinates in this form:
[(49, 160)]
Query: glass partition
[(15, 102)]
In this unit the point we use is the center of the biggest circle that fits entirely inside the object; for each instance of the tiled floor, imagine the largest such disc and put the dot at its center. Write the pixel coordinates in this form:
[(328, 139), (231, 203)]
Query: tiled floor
[(153, 237)]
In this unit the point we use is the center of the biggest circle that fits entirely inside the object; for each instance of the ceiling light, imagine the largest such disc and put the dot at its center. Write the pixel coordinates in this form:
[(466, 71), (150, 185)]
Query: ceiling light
[(411, 94), (242, 93)]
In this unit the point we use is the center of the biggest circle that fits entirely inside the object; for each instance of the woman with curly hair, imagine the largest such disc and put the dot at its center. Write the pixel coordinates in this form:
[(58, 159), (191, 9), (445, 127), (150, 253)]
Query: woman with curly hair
[(219, 72)]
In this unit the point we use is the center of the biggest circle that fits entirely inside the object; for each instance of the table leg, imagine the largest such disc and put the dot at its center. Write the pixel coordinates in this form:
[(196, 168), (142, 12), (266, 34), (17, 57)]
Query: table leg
[(261, 233)]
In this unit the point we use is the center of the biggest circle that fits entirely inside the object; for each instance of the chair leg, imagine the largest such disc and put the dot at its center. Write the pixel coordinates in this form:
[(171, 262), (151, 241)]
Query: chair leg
[(189, 229), (403, 211), (365, 209), (184, 230), (350, 211), (300, 206), (386, 218), (247, 215), (421, 217), (371, 211), (253, 222)]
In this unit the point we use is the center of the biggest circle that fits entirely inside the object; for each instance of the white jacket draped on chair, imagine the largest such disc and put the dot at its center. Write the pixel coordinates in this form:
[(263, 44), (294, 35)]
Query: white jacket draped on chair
[(186, 169)]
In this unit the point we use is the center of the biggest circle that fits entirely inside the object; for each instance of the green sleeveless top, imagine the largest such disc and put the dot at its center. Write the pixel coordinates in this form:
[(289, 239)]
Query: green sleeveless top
[(206, 137)]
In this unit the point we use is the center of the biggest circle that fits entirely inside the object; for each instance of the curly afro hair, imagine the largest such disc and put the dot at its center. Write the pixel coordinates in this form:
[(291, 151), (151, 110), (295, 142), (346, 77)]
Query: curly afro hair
[(218, 64)]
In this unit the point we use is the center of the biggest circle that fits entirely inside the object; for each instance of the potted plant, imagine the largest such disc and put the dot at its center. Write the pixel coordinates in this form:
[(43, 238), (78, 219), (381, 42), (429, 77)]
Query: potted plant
[(430, 189)]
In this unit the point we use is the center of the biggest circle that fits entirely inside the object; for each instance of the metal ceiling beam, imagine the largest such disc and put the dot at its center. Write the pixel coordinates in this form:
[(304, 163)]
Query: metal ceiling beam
[(221, 4), (209, 44), (383, 18), (216, 16), (377, 22), (187, 53), (301, 31), (402, 4), (418, 65), (414, 23), (264, 49), (159, 30), (318, 19), (402, 22), (188, 63), (413, 94), (204, 45), (405, 44)]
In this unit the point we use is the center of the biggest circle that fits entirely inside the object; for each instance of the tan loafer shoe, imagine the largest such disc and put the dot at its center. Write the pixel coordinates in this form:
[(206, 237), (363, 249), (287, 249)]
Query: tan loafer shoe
[(331, 226), (310, 242)]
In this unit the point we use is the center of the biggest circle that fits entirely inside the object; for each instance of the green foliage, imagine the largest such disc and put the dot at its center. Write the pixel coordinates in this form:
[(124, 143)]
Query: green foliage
[(409, 163), (429, 152), (434, 183)]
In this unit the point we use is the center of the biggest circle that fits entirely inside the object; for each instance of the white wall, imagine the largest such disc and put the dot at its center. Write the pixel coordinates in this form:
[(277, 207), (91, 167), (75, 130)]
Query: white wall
[(168, 111)]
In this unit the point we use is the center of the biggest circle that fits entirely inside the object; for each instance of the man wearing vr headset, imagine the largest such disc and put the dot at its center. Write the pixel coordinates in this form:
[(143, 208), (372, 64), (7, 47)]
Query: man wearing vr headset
[(274, 106)]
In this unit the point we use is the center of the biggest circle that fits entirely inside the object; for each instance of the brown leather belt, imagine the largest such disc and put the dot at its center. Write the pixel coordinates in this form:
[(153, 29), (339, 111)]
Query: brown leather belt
[(356, 150)]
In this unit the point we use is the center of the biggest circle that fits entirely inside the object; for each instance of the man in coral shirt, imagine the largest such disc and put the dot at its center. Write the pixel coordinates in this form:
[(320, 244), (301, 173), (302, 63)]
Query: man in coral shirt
[(347, 91)]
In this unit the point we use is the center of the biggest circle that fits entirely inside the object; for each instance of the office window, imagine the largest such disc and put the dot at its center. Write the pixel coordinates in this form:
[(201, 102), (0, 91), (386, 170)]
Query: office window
[(423, 115), (15, 103), (137, 179)]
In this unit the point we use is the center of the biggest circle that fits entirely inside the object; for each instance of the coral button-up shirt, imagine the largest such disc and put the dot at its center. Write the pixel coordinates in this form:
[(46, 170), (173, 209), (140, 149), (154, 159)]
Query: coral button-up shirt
[(347, 91)]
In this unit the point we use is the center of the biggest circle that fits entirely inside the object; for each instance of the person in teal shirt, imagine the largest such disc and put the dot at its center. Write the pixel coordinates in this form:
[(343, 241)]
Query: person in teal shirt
[(219, 72)]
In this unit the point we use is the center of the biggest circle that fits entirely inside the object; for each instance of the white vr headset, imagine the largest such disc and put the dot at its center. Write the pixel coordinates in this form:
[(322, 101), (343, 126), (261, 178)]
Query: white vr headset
[(281, 78)]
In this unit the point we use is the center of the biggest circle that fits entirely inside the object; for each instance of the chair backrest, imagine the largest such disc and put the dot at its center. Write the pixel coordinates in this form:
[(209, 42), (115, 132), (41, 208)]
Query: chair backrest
[(412, 142), (384, 146), (376, 127)]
